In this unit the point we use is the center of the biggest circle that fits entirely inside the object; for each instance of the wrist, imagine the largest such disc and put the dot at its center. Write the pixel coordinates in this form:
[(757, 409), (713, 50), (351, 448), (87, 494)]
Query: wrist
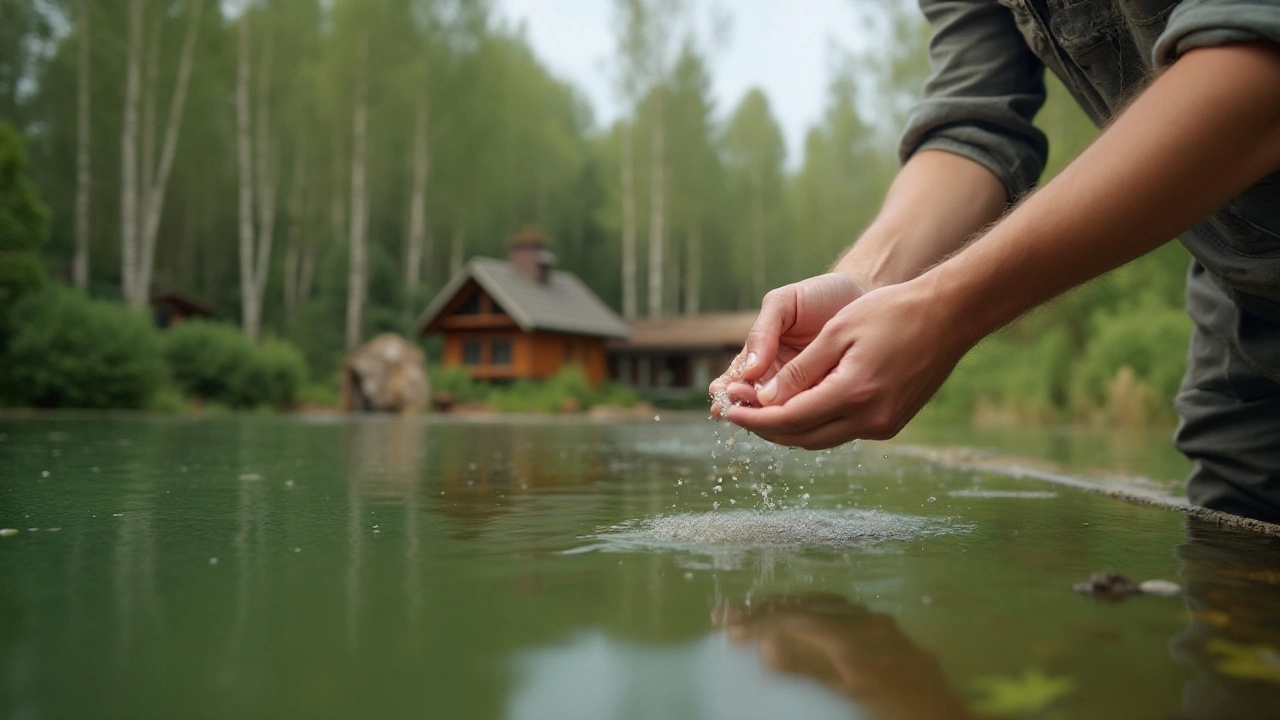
[(873, 260), (966, 309)]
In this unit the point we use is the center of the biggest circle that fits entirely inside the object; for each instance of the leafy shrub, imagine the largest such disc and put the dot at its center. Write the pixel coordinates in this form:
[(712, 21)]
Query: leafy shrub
[(1028, 380), (213, 362), (21, 273), (279, 372), (454, 381), (1151, 342), (68, 351), (217, 363), (320, 394), (615, 395)]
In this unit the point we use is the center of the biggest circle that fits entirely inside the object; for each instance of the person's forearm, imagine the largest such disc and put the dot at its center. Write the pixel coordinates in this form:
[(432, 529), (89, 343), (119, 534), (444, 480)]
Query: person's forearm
[(937, 201), (1203, 132)]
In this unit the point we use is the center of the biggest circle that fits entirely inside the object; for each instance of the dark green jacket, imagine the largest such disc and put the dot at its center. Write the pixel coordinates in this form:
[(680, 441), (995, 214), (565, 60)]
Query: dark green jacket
[(987, 84)]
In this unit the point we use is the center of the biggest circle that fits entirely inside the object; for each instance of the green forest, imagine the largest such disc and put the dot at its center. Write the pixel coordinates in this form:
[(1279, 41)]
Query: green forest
[(317, 169)]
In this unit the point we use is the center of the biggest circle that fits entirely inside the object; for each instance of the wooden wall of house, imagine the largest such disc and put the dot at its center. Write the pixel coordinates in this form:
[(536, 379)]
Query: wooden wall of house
[(534, 356)]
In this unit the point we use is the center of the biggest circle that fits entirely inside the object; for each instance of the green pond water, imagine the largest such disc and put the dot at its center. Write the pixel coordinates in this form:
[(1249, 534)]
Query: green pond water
[(260, 567)]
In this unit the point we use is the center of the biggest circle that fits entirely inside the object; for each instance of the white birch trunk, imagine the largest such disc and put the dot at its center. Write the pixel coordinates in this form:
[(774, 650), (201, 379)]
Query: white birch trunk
[(129, 154), (155, 195), (627, 164), (244, 163), (147, 139), (356, 267), (294, 239), (266, 186), (657, 209), (80, 265), (417, 204)]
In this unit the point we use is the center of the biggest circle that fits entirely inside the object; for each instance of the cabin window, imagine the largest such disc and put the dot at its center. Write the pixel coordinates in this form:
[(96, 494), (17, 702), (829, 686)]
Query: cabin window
[(471, 352), (500, 351), (568, 352), (470, 306)]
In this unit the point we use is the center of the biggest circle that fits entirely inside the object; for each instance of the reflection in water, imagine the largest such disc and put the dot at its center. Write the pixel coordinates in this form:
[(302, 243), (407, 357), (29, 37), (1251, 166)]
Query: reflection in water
[(594, 676), (311, 613), (862, 655), (1232, 644)]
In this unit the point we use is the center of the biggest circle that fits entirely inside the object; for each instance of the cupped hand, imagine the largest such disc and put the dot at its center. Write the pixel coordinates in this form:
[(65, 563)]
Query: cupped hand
[(791, 317), (869, 370)]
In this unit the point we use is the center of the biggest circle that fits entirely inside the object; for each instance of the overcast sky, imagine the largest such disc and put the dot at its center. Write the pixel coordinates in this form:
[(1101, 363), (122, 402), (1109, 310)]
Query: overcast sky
[(781, 46)]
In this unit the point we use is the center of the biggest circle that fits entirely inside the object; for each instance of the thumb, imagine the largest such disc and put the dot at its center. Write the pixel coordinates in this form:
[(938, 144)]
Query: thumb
[(777, 313), (804, 371)]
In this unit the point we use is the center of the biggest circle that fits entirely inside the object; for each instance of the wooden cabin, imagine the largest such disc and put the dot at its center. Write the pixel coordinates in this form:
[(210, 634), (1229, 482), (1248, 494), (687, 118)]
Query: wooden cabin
[(172, 308), (676, 355), (520, 318)]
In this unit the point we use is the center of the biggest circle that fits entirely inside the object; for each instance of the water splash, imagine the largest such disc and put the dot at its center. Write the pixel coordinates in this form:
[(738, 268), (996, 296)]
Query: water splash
[(789, 528)]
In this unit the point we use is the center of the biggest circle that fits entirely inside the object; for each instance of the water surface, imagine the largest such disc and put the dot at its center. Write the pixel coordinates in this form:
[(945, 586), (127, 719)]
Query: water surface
[(291, 568)]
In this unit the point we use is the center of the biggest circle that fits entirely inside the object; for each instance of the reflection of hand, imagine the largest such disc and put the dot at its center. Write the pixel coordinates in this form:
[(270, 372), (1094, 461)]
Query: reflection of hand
[(865, 375), (790, 318), (862, 655)]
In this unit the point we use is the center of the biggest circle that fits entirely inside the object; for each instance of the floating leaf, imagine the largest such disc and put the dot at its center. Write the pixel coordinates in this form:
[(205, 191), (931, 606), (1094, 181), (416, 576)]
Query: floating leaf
[(1032, 692), (1247, 662)]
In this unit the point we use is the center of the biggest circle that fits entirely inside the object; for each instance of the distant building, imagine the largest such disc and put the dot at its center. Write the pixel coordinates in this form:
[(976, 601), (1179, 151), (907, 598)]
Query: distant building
[(172, 308), (675, 355), (521, 318)]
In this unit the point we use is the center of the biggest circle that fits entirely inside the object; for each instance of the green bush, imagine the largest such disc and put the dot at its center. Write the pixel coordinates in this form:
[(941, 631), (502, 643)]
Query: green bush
[(1028, 380), (454, 381), (279, 372), (1151, 342), (68, 351), (21, 273), (213, 362), (217, 363), (615, 395)]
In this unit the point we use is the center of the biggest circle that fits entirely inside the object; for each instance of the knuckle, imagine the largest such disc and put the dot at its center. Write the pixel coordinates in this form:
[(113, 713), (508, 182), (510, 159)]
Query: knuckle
[(882, 425), (793, 375)]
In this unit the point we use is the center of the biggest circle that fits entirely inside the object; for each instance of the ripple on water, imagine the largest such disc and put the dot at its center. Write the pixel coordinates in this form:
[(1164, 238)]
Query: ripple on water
[(790, 528)]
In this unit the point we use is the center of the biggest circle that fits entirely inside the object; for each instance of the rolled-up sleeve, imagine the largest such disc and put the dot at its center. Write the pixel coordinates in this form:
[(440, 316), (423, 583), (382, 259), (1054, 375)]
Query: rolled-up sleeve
[(983, 94), (1206, 23)]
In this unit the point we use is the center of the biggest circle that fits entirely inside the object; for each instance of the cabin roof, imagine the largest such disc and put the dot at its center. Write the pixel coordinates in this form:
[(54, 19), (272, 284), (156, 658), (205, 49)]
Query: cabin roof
[(689, 332), (563, 304), (186, 303)]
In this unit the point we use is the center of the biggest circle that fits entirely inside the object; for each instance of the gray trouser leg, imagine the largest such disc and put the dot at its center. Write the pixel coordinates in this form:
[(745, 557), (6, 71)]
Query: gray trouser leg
[(1230, 412)]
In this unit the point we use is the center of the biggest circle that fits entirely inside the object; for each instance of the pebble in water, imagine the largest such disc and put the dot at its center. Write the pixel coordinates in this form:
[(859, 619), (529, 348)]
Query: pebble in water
[(8, 532), (1164, 588)]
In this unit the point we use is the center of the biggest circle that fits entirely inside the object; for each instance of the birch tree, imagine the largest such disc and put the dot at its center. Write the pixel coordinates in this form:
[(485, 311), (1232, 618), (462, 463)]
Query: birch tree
[(416, 241), (143, 203), (258, 176), (357, 273), (80, 262)]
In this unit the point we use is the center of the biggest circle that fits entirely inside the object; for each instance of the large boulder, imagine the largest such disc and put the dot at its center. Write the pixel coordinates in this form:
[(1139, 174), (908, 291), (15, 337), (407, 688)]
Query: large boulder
[(389, 374)]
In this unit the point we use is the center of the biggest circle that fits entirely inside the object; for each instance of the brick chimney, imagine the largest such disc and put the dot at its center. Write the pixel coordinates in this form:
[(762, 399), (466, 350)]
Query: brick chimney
[(530, 257)]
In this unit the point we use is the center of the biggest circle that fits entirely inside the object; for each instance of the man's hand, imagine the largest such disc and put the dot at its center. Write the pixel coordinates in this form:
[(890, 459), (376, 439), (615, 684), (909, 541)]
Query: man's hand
[(869, 371), (791, 317), (1145, 180)]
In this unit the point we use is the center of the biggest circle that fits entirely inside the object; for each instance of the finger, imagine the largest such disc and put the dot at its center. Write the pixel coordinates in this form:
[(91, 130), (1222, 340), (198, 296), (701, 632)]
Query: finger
[(805, 370), (822, 437), (819, 405), (730, 373), (777, 313), (740, 393)]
